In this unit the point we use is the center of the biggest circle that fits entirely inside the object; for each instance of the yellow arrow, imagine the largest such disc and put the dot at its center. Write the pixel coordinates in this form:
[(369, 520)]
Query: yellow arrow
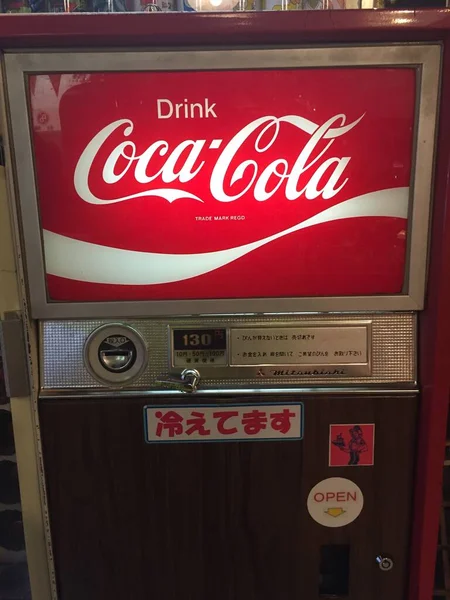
[(335, 512)]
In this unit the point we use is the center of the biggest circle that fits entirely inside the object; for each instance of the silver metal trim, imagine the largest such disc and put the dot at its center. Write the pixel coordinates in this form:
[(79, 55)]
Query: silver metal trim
[(15, 356), (298, 391), (24, 410), (424, 57)]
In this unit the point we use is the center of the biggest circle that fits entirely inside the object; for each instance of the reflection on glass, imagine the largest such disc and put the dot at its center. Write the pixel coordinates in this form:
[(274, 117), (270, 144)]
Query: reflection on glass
[(69, 6), (76, 6), (415, 3)]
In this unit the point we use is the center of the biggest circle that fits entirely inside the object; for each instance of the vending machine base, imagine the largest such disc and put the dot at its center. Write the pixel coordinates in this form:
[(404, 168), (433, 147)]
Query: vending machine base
[(229, 520)]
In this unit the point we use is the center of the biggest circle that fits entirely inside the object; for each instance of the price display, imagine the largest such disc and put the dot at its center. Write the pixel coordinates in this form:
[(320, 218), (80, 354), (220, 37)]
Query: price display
[(199, 347)]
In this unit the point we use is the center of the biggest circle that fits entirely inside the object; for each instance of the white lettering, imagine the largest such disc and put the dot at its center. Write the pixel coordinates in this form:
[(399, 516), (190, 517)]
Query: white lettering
[(165, 109), (328, 190), (200, 110), (301, 165), (209, 110), (109, 174), (140, 172), (308, 173), (223, 164), (185, 172), (261, 192), (159, 103)]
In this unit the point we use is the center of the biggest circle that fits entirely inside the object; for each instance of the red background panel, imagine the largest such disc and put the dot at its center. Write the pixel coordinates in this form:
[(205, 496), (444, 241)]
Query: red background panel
[(349, 256)]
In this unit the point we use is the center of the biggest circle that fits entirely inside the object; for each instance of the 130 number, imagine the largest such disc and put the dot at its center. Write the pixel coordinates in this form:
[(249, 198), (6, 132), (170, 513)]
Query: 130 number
[(194, 339)]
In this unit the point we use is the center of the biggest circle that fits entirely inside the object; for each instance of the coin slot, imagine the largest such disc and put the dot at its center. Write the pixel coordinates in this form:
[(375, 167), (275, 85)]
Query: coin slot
[(334, 571), (116, 360), (115, 354)]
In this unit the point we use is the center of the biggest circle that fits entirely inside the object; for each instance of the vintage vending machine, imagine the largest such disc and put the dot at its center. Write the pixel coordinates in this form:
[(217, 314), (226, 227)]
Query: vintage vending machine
[(225, 254)]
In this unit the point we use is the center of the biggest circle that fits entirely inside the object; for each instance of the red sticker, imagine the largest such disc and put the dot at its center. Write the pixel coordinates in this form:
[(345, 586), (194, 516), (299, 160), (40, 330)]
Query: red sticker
[(352, 445)]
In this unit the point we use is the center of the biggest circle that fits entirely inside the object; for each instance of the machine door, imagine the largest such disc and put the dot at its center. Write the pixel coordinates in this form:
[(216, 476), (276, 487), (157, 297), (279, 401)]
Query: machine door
[(132, 520)]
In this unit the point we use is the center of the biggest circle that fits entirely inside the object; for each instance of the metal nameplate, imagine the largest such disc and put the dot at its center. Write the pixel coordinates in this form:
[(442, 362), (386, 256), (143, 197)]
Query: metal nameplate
[(327, 351), (300, 346)]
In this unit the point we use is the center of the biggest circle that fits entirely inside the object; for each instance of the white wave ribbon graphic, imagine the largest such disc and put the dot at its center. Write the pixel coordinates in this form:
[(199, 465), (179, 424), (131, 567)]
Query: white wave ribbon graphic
[(83, 261)]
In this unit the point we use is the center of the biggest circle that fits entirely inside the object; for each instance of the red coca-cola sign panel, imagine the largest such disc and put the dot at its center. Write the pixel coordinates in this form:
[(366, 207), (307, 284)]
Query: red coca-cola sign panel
[(224, 184)]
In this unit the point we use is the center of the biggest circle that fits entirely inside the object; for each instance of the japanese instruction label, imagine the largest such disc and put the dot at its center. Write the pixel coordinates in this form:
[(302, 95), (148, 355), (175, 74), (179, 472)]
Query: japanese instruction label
[(300, 346), (223, 422)]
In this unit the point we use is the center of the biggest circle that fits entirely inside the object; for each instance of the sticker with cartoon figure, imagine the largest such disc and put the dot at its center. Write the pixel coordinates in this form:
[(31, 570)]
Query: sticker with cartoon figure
[(352, 445)]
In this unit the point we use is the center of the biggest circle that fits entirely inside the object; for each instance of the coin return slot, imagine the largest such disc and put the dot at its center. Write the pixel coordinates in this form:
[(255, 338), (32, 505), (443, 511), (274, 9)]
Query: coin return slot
[(116, 360), (334, 571)]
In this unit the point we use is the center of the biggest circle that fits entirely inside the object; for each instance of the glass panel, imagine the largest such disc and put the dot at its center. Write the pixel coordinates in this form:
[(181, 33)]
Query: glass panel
[(165, 194)]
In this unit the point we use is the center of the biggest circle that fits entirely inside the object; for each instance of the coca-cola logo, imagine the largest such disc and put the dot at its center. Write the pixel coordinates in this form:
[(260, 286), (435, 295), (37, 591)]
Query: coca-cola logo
[(310, 175)]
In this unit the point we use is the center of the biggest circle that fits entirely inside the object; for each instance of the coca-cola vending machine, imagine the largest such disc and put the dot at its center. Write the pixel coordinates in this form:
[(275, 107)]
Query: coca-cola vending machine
[(225, 256)]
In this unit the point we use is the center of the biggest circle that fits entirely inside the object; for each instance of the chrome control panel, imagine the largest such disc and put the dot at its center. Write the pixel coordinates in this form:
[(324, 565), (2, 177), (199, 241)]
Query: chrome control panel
[(234, 352)]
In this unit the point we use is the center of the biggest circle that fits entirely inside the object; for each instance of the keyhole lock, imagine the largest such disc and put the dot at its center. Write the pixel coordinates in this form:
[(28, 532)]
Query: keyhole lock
[(385, 563), (190, 379), (187, 381)]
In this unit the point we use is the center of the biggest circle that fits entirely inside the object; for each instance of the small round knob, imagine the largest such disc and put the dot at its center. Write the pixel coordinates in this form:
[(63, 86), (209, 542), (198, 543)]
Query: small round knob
[(385, 563)]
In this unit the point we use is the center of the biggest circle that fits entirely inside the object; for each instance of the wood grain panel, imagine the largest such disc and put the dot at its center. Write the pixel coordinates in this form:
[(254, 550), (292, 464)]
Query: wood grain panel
[(132, 521)]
